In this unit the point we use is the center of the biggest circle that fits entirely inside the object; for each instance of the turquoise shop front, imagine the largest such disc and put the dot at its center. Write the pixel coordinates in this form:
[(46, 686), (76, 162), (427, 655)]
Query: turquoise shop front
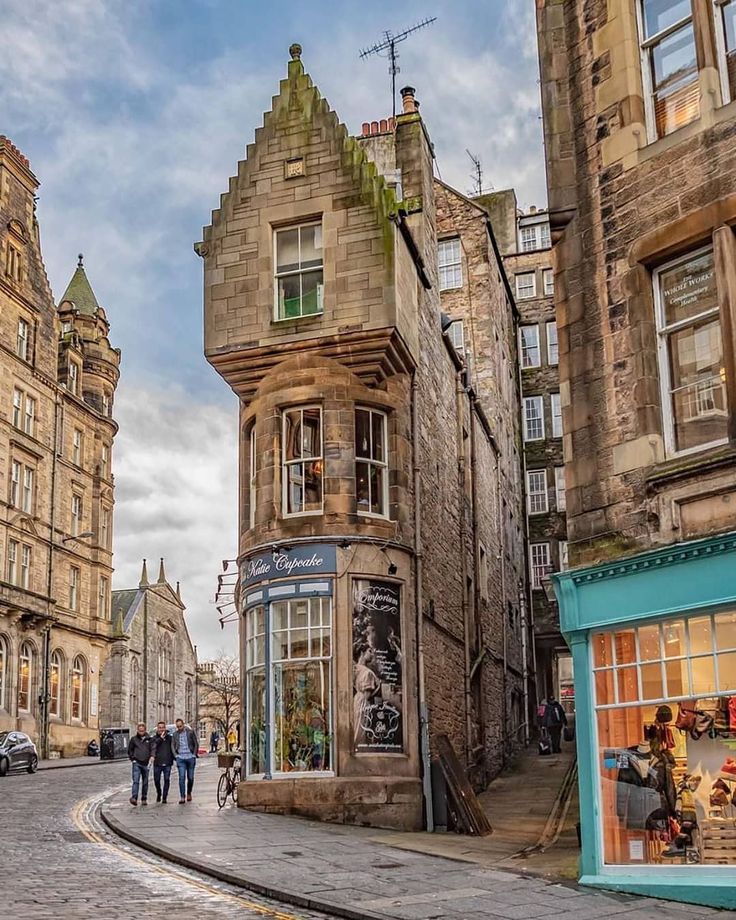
[(653, 639)]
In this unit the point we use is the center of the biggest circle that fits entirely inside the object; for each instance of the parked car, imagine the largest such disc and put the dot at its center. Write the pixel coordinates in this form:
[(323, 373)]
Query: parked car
[(17, 752)]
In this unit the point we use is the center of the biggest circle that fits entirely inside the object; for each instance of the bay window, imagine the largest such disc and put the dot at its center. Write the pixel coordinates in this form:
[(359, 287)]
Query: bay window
[(691, 361), (371, 471), (289, 686), (669, 65), (299, 271), (302, 463), (725, 19)]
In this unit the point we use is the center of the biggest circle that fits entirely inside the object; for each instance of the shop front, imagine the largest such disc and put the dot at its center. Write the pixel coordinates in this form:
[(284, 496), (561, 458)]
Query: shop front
[(653, 639), (326, 656)]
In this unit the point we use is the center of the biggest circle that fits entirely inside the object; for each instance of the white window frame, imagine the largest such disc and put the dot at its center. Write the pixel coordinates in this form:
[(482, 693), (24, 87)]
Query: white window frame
[(665, 372), (539, 401), (560, 491), (370, 461), (533, 294), (450, 258), (285, 464), (77, 446), (74, 579), (77, 511), (252, 477), (16, 478), (12, 564), (553, 347), (555, 409), (27, 490), (646, 44), (548, 282), (105, 527), (78, 687), (539, 569), (721, 49), (537, 499), (562, 551), (18, 415), (456, 335), (72, 380), (103, 598), (29, 415), (26, 562), (22, 338), (533, 237), (105, 461), (525, 349), (299, 271)]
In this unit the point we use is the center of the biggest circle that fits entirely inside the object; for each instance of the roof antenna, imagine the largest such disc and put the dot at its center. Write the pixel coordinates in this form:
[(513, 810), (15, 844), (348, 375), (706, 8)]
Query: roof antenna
[(389, 43), (477, 174)]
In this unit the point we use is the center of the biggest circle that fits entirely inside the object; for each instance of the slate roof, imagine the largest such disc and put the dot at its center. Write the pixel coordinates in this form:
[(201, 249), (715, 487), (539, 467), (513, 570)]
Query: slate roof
[(80, 292), (127, 603)]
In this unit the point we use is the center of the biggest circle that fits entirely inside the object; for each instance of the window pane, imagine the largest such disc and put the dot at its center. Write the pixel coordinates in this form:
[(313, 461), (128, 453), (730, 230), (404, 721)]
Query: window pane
[(704, 678), (625, 647), (673, 59), (648, 643), (280, 646), (362, 475), (311, 246), (256, 722), (661, 14), (529, 336), (289, 296), (377, 474), (602, 650), (628, 691), (689, 288), (698, 385), (302, 716), (299, 614), (604, 688), (674, 639), (311, 433), (727, 671), (313, 486), (287, 250), (678, 683), (362, 433), (700, 635), (378, 435), (311, 293), (651, 681), (726, 630)]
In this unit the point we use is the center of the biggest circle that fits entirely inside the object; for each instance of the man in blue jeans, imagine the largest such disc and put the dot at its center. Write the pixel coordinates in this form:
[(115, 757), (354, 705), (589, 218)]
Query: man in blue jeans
[(184, 744), (139, 752), (163, 760)]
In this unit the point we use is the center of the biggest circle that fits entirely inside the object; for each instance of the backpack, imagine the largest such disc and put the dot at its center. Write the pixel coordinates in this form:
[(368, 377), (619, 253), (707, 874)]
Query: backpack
[(555, 717)]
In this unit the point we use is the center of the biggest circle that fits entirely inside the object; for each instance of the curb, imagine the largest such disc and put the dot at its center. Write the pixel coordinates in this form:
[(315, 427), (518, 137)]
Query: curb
[(62, 764), (308, 902)]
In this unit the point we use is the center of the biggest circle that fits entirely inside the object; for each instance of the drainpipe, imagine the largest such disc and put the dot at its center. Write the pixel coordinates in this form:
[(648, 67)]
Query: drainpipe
[(477, 587), (422, 690), (524, 666), (460, 393), (504, 614)]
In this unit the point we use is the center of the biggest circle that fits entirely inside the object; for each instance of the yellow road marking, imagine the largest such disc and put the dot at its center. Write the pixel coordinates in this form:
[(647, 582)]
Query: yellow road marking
[(77, 815)]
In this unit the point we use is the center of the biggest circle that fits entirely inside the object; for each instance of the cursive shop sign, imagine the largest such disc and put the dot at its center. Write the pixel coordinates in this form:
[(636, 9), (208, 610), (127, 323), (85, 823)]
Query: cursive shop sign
[(297, 562)]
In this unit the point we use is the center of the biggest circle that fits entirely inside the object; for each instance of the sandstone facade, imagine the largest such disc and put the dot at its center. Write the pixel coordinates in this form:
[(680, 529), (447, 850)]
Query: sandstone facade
[(397, 549), (58, 374)]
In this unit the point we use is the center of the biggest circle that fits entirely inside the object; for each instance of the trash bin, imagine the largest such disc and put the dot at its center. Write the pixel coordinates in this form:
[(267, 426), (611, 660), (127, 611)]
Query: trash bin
[(114, 743)]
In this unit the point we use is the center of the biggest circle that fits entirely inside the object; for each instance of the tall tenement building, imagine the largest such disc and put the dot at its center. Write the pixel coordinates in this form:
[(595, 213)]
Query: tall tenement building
[(525, 243), (381, 506), (58, 374), (640, 127)]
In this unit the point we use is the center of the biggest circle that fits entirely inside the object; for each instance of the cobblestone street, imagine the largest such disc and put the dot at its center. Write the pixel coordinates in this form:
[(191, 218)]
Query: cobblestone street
[(52, 865)]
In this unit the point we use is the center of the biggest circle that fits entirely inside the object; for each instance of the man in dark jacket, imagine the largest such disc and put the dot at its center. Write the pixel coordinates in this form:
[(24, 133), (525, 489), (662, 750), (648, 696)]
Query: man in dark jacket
[(139, 752), (554, 721), (163, 760), (185, 746)]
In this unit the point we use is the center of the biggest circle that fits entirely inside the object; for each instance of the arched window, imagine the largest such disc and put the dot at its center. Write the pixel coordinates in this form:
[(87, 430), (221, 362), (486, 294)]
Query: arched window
[(79, 686), (165, 677), (3, 672), (55, 683), (25, 677), (136, 693), (188, 702)]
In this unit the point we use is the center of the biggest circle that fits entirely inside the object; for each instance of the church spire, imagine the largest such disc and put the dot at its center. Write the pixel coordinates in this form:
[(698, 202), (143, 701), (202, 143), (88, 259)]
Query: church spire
[(161, 573), (143, 583)]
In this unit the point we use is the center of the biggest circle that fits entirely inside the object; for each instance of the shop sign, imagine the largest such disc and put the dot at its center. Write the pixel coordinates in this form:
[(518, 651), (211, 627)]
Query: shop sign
[(378, 723), (295, 562)]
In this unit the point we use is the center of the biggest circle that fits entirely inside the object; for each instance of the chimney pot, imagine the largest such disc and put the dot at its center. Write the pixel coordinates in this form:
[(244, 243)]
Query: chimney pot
[(374, 127), (383, 126), (407, 100), (532, 209), (366, 129)]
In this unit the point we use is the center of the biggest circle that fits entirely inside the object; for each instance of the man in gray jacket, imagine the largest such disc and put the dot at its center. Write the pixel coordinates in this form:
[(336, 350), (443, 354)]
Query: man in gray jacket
[(139, 752), (185, 745)]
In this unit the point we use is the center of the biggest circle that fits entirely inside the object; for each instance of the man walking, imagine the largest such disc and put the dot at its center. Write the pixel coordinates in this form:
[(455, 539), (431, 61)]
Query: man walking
[(163, 760), (139, 752), (184, 744), (554, 720), (214, 740)]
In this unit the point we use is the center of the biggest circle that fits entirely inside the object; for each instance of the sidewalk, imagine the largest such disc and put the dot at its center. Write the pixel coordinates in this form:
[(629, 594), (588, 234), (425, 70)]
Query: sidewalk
[(60, 762), (357, 873)]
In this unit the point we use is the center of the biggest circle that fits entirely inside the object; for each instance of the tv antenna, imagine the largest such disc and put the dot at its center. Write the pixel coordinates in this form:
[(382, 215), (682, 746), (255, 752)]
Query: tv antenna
[(389, 43), (477, 174)]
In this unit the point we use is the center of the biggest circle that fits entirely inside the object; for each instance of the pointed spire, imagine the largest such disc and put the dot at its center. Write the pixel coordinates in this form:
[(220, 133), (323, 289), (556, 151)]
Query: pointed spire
[(143, 583), (118, 629), (161, 573), (178, 592), (80, 292)]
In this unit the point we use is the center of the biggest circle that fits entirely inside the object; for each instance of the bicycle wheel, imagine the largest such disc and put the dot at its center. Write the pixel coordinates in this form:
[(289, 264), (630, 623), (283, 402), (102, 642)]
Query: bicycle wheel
[(223, 789), (234, 786)]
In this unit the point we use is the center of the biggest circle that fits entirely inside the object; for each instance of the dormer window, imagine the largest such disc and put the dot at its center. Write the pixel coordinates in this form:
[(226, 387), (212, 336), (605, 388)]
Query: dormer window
[(299, 275)]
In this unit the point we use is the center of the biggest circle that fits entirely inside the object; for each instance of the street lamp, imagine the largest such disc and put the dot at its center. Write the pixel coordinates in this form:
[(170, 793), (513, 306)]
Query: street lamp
[(549, 590), (78, 536)]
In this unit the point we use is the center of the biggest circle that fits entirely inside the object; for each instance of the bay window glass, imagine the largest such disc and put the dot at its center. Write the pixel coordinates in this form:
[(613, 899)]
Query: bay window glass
[(299, 271), (691, 364), (665, 726), (295, 737), (725, 15), (669, 65), (303, 464), (371, 471)]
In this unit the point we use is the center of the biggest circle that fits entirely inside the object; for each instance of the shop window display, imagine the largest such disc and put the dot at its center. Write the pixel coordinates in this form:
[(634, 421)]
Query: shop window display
[(665, 698)]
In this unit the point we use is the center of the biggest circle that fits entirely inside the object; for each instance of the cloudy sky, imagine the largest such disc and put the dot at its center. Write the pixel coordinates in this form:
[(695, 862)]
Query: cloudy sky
[(134, 115)]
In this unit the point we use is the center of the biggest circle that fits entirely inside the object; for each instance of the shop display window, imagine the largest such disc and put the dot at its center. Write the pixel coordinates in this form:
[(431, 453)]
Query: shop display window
[(665, 696), (297, 731)]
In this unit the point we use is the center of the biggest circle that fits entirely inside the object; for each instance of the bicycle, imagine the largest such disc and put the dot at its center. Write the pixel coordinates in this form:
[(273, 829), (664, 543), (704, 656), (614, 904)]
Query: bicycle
[(227, 785)]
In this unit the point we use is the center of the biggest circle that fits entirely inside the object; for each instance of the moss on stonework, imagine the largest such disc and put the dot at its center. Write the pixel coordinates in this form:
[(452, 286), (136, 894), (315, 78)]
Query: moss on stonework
[(605, 548)]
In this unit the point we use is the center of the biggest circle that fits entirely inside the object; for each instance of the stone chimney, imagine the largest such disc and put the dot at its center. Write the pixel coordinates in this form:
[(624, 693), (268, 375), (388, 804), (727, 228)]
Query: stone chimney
[(408, 101)]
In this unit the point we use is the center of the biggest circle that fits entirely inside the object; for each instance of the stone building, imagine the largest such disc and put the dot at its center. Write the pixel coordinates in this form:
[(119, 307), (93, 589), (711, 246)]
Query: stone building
[(640, 132), (218, 695), (151, 674), (58, 374), (373, 472), (524, 241)]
